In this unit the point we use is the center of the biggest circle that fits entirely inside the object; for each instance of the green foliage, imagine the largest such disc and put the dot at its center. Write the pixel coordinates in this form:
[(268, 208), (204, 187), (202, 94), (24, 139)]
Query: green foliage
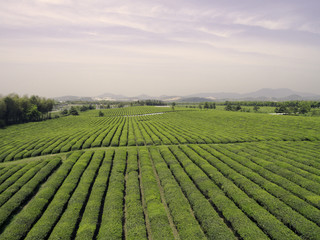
[(156, 211), (101, 114), (135, 224), (90, 218), (173, 104), (182, 182), (26, 191), (15, 109), (64, 112), (73, 111), (111, 222)]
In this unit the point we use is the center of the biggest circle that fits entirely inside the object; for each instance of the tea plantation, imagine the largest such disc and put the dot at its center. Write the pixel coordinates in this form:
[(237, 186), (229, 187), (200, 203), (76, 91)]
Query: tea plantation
[(154, 173)]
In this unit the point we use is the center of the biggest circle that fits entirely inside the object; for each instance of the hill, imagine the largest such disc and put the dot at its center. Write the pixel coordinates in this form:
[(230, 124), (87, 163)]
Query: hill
[(265, 94), (154, 173)]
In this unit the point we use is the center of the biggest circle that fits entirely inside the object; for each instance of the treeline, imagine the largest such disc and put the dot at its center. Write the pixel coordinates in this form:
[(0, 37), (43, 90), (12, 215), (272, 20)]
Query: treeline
[(149, 103), (296, 107), (313, 104), (15, 109)]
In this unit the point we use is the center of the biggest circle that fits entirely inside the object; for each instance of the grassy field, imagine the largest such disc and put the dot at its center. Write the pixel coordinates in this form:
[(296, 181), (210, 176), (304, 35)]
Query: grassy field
[(154, 173)]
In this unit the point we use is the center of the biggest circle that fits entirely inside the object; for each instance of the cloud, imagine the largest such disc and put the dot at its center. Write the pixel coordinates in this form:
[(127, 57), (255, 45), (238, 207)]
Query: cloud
[(143, 38), (55, 2)]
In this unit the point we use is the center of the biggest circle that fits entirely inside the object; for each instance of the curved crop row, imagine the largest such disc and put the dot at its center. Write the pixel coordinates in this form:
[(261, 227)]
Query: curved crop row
[(111, 223), (53, 212), (156, 211), (26, 191), (291, 218), (22, 223)]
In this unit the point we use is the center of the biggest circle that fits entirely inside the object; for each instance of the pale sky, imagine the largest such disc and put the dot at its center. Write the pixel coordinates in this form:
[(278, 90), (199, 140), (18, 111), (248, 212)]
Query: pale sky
[(89, 47)]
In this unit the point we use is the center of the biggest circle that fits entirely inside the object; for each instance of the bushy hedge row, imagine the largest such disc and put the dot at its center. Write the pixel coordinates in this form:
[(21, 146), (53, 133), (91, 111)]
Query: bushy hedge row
[(67, 146), (173, 127), (98, 141), (240, 163), (13, 170), (291, 218), (15, 182), (183, 133), (266, 221), (28, 189), (147, 138), (164, 134), (302, 163), (134, 217), (111, 223), (137, 132), (302, 155), (159, 223), (116, 137), (155, 139), (29, 150), (22, 223), (3, 170), (185, 222), (162, 137), (123, 138), (90, 219), (131, 137), (22, 152), (80, 139), (107, 140), (284, 169), (306, 148), (53, 145), (9, 156), (306, 167), (211, 223), (93, 136), (241, 224), (66, 227), (55, 209), (6, 150), (38, 151)]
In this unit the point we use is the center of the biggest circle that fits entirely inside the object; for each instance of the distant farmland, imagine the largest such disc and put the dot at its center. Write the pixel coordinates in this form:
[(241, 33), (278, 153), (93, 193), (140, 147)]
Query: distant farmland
[(182, 174)]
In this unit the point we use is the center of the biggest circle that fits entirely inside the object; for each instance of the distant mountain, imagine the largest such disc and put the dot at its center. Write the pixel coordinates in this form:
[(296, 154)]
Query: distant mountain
[(219, 95), (264, 94), (277, 93), (73, 98), (194, 100), (111, 97)]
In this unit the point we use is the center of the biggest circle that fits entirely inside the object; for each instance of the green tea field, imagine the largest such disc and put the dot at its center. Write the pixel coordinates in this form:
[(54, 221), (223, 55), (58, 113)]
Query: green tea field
[(154, 173)]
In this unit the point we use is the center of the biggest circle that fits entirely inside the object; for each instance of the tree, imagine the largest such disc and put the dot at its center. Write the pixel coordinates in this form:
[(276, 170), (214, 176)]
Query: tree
[(304, 107), (73, 111), (3, 109), (238, 107), (101, 114), (206, 105), (83, 108), (173, 104), (281, 109), (33, 114), (228, 107), (64, 112), (256, 108), (15, 109), (120, 105), (200, 106), (212, 106)]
